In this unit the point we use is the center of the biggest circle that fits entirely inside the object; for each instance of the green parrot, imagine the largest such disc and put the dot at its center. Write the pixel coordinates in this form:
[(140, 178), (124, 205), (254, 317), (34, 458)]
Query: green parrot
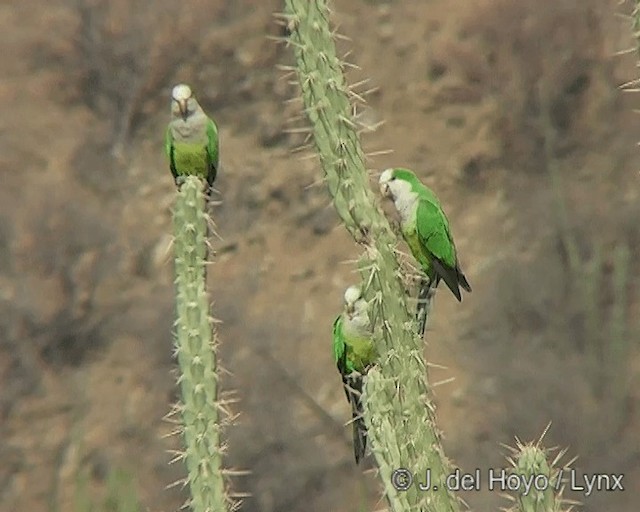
[(191, 141), (425, 228), (354, 354)]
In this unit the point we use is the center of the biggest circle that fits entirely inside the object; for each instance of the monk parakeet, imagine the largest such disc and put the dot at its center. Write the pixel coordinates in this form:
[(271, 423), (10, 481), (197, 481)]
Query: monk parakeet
[(354, 354), (191, 141), (425, 228)]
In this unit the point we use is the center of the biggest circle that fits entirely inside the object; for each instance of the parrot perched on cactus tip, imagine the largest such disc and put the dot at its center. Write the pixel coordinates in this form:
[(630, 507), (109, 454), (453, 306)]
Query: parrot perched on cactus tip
[(191, 140), (425, 228), (354, 354)]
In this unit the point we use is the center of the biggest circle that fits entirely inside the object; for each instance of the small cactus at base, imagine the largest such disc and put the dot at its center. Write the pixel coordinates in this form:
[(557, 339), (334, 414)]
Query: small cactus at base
[(540, 481)]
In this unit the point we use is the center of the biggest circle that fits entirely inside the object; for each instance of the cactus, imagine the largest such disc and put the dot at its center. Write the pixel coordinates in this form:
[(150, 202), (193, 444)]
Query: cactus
[(536, 480), (398, 409), (202, 413)]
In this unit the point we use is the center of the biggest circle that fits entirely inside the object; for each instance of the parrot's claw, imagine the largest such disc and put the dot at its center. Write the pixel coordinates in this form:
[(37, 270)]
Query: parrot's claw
[(207, 194), (362, 235), (179, 181)]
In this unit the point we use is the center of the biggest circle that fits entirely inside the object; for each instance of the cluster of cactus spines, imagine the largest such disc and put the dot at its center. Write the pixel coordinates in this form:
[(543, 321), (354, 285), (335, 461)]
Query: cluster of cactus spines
[(203, 413), (398, 411), (538, 482)]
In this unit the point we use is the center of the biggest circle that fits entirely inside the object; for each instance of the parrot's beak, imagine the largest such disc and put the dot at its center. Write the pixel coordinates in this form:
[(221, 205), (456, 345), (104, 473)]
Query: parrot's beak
[(384, 189), (351, 309), (184, 112)]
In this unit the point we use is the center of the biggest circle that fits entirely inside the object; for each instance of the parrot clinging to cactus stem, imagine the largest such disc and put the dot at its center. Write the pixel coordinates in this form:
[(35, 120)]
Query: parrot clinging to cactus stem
[(425, 228), (191, 141), (354, 354)]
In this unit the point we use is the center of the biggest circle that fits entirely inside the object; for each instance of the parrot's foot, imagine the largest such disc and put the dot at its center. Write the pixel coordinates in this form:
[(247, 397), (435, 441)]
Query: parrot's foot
[(207, 193), (425, 293), (362, 235), (179, 180)]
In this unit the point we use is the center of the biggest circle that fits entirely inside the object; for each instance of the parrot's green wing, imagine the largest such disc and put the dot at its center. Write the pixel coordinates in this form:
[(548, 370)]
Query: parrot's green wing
[(432, 228), (339, 348), (168, 148), (433, 231), (168, 141), (352, 384), (212, 146), (213, 151), (340, 351)]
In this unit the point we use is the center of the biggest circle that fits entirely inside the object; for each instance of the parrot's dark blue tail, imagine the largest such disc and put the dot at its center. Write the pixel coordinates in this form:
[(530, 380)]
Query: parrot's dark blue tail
[(359, 439), (354, 393), (422, 308)]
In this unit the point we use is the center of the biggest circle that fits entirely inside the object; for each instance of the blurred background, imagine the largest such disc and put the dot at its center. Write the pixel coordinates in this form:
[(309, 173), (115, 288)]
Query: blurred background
[(511, 111)]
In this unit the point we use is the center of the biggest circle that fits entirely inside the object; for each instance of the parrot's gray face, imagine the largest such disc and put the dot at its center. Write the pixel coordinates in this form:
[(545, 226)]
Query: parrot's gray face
[(396, 189), (351, 296), (385, 183), (183, 104), (400, 192), (184, 108)]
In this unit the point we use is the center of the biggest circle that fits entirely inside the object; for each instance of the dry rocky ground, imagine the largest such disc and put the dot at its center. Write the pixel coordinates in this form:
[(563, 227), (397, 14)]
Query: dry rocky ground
[(484, 98)]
